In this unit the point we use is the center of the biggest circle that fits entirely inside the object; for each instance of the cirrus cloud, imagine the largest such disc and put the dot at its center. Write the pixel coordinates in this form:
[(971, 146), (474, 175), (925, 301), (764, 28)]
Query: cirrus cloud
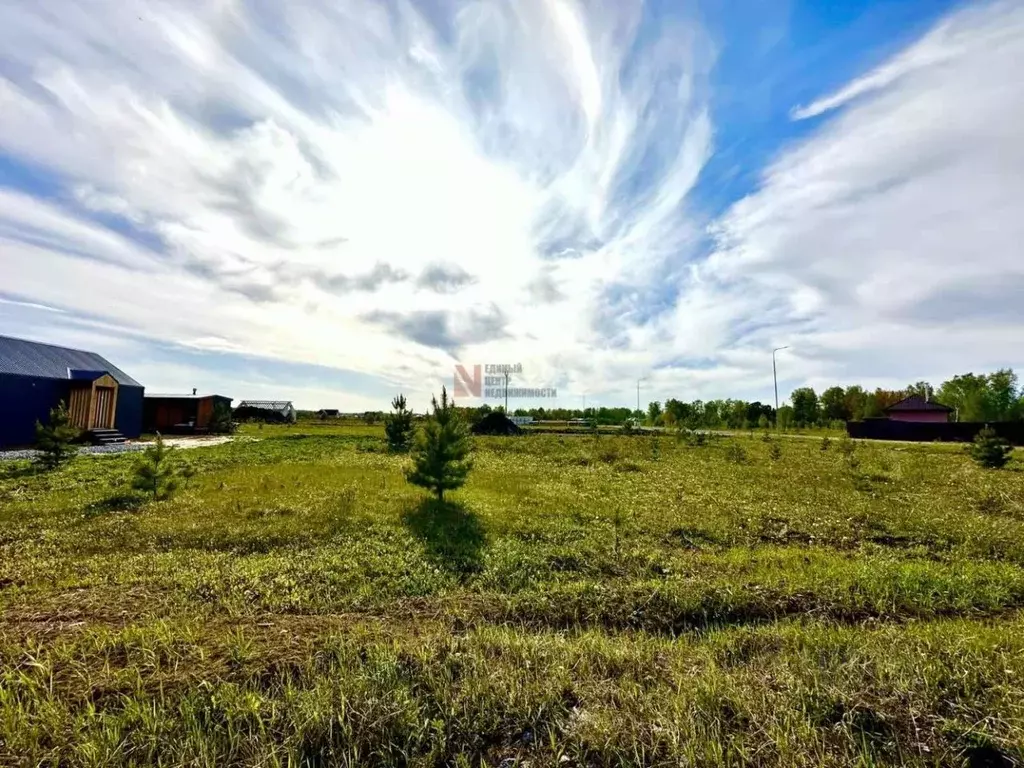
[(375, 188)]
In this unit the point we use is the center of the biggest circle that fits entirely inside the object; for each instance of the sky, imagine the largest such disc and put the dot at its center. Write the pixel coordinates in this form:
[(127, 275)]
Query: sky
[(334, 201)]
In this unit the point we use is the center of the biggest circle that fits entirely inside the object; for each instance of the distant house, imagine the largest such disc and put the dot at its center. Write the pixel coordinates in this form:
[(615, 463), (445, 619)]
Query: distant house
[(268, 410), (35, 377), (328, 413), (180, 413), (918, 408)]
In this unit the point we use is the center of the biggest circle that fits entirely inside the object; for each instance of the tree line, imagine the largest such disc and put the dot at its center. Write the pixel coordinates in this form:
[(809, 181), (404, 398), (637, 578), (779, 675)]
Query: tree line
[(988, 397)]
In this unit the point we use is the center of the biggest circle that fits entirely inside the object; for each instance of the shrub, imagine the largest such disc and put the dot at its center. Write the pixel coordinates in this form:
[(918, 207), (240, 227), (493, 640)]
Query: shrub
[(989, 450), (825, 444), (846, 446), (735, 453), (221, 421), (398, 426), (774, 451), (441, 450), (54, 440), (188, 471), (155, 473), (691, 437)]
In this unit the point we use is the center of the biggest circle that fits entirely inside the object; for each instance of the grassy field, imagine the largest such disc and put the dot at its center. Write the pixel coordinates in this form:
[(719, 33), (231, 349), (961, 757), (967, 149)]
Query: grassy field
[(582, 601)]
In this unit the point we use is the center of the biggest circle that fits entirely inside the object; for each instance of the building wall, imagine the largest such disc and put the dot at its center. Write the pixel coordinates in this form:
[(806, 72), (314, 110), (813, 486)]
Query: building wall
[(204, 412), (128, 416), (23, 401), (931, 417)]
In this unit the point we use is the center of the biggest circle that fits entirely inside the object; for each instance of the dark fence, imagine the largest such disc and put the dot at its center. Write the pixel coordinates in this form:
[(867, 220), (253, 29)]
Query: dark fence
[(931, 432)]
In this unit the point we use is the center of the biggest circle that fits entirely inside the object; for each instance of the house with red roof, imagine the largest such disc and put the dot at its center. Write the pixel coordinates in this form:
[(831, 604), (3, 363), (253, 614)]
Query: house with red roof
[(918, 408)]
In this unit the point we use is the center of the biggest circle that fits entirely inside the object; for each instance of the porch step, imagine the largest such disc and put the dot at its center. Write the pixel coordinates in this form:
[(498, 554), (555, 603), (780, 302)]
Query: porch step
[(105, 437)]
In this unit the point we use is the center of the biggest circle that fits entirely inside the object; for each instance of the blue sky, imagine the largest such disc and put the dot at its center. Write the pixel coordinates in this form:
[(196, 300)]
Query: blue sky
[(333, 202)]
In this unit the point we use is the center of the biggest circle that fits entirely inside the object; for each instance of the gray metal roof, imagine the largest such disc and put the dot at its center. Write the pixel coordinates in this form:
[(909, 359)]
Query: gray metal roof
[(33, 358), (269, 405)]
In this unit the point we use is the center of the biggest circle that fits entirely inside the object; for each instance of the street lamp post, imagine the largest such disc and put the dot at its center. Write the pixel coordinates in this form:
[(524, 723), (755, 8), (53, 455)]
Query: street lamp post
[(775, 378), (638, 395)]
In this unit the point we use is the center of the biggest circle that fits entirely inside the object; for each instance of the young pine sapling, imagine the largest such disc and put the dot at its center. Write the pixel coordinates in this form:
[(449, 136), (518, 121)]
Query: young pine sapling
[(155, 472), (398, 426), (54, 439), (441, 450), (989, 450)]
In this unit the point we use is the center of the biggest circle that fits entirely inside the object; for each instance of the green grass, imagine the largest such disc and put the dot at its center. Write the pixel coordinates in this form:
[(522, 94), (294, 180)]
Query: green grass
[(582, 601)]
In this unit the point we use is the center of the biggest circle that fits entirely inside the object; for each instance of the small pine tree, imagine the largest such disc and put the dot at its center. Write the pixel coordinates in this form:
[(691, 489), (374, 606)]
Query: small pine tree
[(398, 426), (188, 471), (735, 453), (774, 451), (441, 450), (221, 422), (154, 472), (846, 446), (990, 450), (825, 444), (54, 440)]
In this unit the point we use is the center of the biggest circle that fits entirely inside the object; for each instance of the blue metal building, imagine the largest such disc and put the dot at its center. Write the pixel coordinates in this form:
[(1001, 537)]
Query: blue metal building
[(35, 377)]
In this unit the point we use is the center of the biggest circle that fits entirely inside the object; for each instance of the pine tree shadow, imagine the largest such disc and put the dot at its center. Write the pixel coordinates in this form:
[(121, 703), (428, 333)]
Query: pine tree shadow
[(122, 502), (452, 536)]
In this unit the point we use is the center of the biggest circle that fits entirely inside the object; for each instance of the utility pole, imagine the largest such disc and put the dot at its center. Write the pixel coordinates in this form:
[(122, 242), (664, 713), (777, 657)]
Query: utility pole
[(508, 375), (775, 378), (638, 396)]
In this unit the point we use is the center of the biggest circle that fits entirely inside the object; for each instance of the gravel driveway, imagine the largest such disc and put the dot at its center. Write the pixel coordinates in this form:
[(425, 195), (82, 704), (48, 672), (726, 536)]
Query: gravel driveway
[(90, 450)]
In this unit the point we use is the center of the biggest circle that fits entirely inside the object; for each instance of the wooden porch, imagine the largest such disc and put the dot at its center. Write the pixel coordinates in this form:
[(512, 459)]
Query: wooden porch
[(93, 404)]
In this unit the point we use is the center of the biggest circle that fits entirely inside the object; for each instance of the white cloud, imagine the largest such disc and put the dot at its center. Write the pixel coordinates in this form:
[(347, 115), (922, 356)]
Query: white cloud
[(310, 168), (283, 152), (881, 246), (952, 40)]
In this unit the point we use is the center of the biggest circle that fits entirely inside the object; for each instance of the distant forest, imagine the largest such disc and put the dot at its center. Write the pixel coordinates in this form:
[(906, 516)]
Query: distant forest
[(974, 397)]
